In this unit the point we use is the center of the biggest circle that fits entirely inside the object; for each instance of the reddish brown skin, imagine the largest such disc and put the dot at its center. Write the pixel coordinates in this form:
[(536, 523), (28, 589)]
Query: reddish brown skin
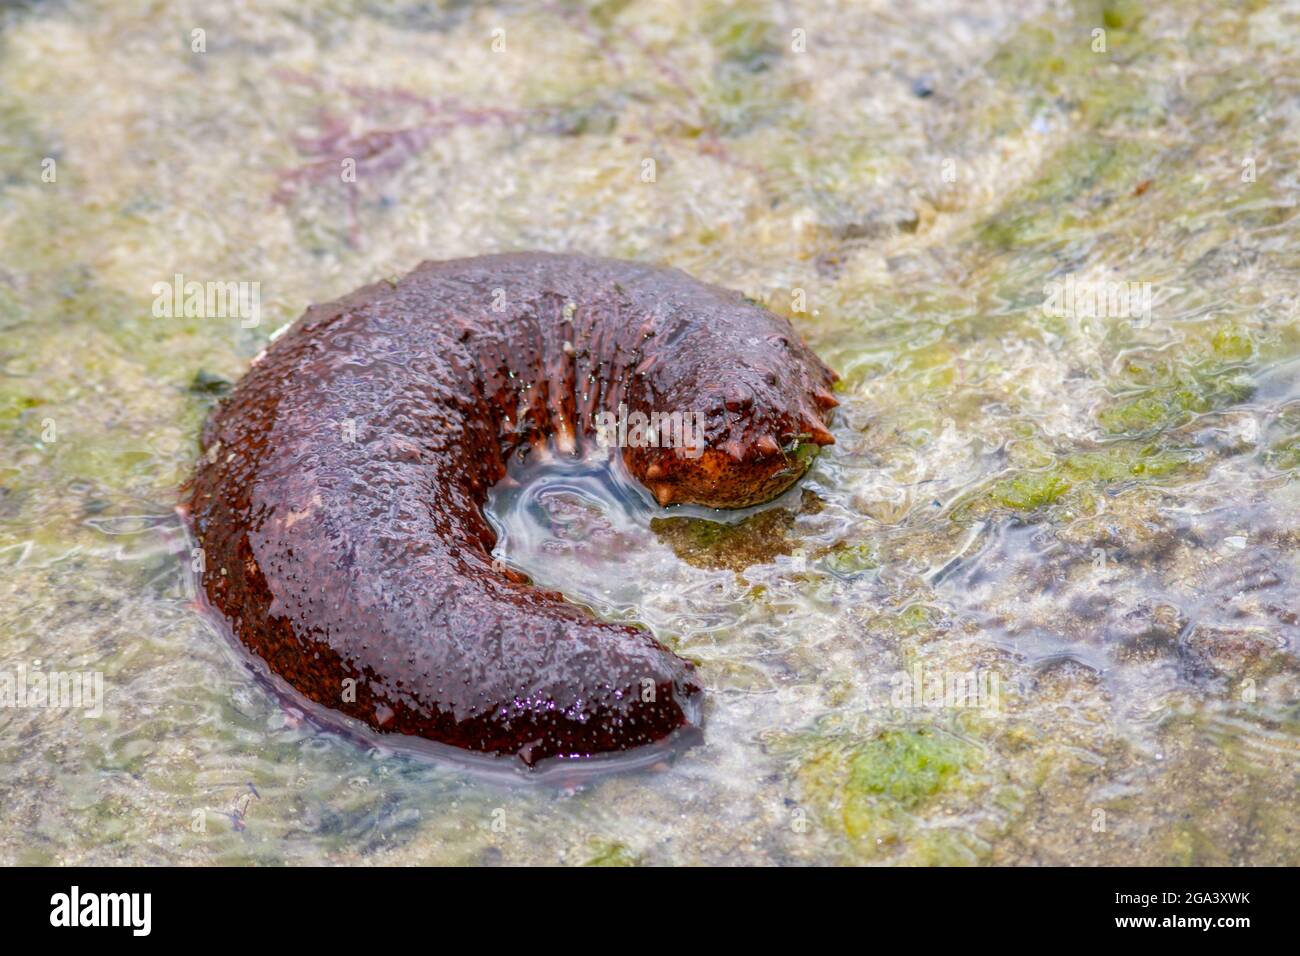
[(370, 559)]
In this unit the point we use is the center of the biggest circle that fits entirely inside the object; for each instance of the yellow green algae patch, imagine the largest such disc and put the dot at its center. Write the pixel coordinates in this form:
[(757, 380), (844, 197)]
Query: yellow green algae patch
[(604, 853), (1106, 464), (875, 790), (1167, 392)]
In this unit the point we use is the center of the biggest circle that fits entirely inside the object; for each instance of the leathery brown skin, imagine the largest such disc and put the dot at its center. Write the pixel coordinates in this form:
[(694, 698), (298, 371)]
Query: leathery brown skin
[(339, 498)]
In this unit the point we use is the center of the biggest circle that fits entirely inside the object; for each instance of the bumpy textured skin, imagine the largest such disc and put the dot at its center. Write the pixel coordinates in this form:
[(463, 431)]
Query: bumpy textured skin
[(339, 498)]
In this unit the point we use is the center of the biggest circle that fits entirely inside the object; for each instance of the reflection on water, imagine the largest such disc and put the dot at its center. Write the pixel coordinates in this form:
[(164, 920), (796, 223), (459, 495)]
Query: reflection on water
[(1091, 509), (581, 524)]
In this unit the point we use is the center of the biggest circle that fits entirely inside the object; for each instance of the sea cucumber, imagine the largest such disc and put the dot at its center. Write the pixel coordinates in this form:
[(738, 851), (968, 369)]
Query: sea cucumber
[(338, 501)]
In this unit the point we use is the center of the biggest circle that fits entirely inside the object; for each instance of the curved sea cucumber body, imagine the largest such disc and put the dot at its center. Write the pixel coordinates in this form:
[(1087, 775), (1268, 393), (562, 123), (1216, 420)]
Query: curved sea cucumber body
[(339, 498)]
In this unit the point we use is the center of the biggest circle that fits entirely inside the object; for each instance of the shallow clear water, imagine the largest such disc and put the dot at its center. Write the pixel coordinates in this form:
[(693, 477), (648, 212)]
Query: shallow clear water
[(1037, 604)]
